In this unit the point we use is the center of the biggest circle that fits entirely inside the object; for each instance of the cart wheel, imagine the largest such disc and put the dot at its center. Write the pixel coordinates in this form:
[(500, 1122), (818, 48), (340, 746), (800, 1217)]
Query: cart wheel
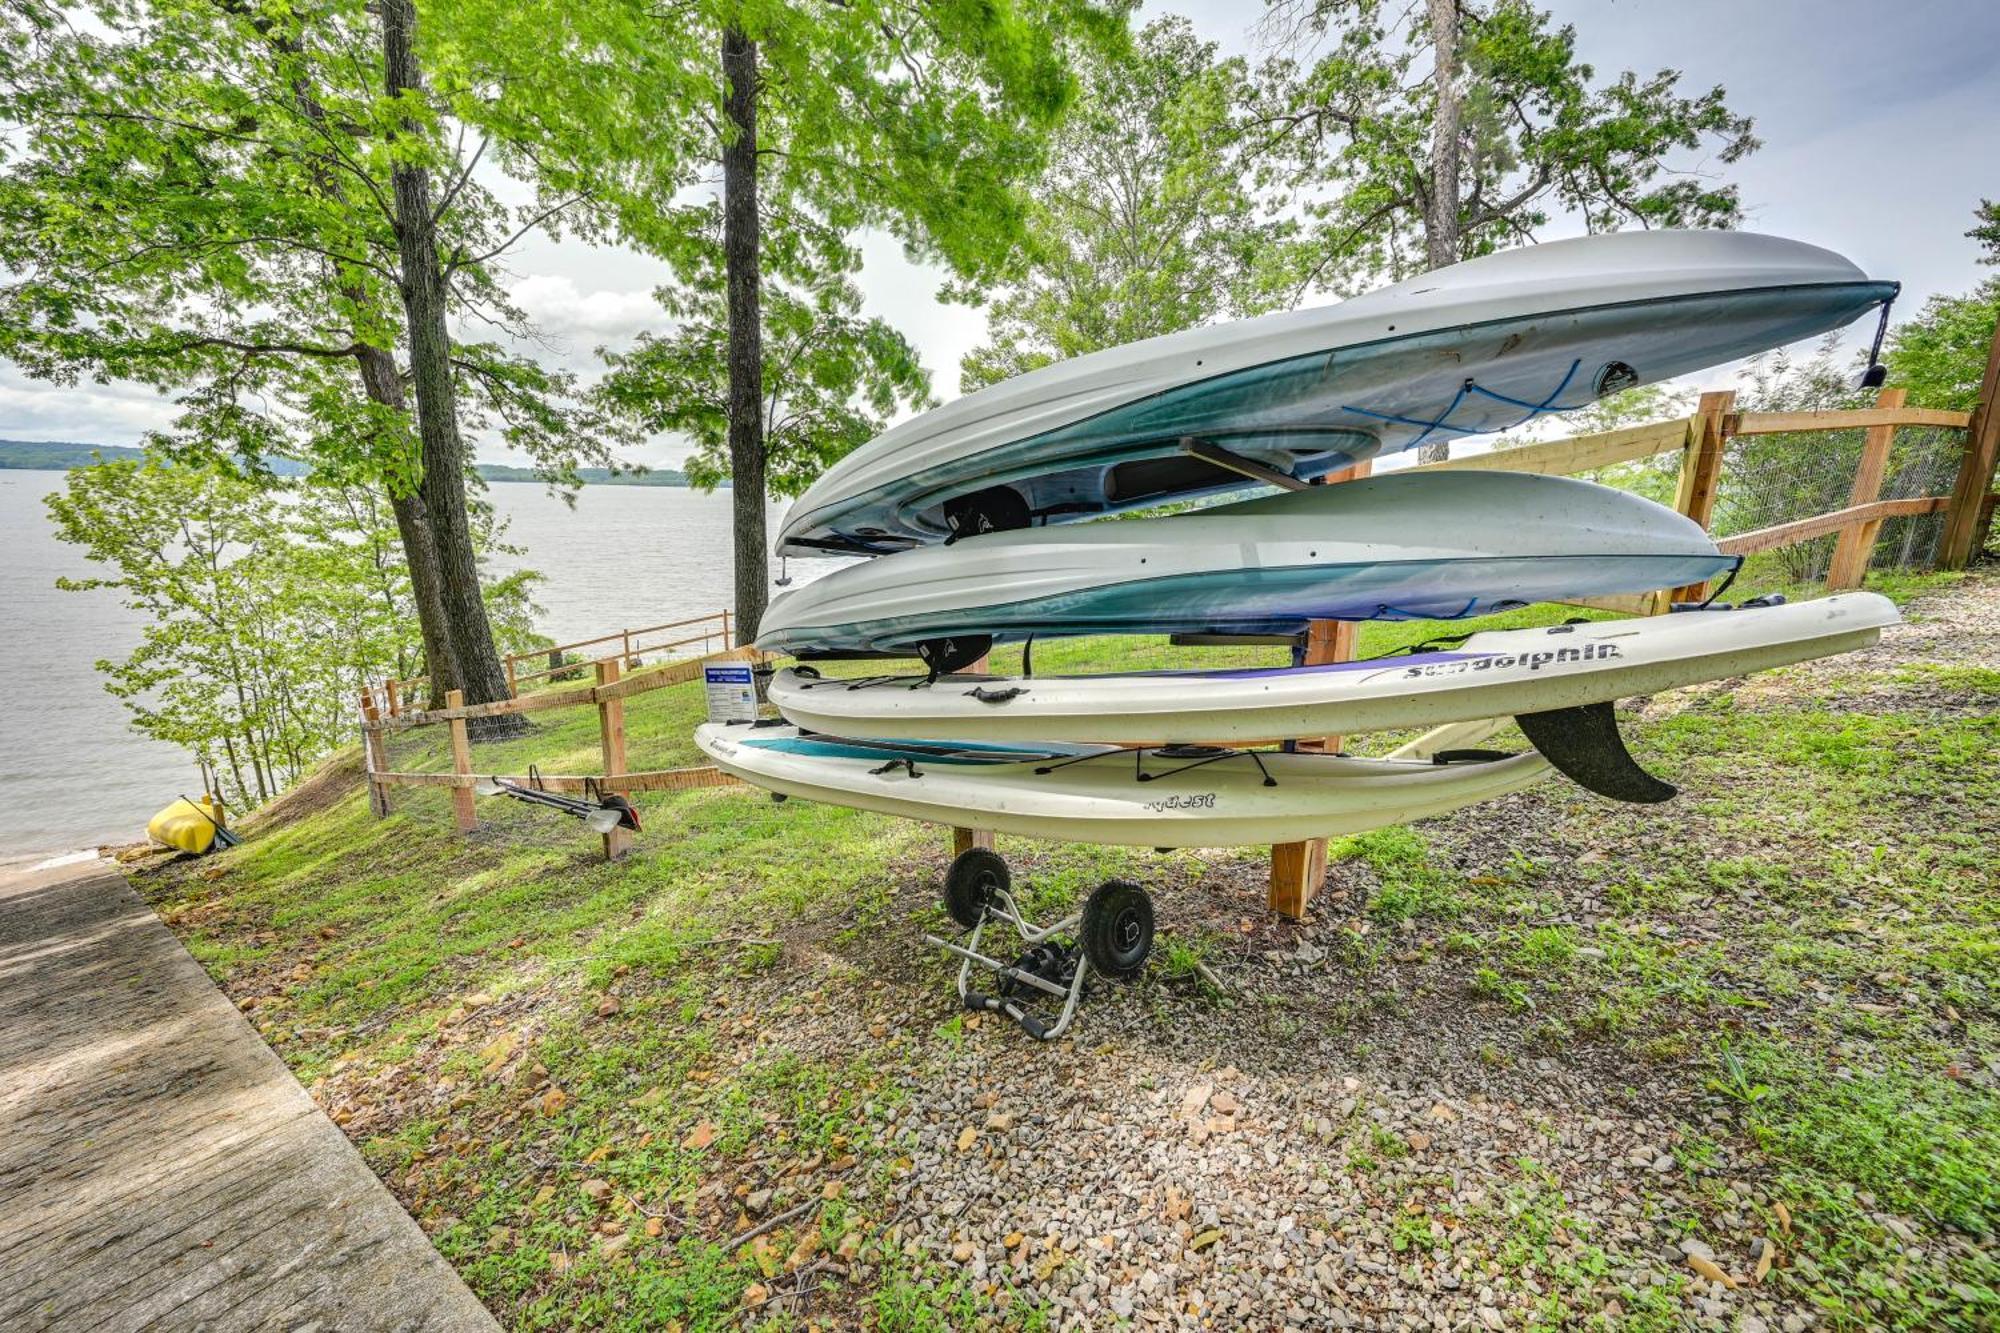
[(976, 874), (1117, 929)]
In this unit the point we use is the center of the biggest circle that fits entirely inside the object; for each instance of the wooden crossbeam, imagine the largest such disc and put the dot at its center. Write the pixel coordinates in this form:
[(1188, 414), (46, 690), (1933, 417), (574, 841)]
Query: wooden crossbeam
[(1819, 525)]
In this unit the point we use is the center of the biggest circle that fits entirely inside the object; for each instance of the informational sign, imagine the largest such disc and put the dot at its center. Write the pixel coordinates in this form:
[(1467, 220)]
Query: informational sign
[(732, 694)]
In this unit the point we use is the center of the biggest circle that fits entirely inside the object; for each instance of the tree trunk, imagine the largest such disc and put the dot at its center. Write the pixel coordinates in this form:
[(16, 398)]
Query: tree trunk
[(1441, 236), (385, 386), (746, 351), (474, 664)]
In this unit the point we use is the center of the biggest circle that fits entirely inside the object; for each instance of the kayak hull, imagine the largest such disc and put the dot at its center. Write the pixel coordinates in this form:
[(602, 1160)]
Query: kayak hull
[(1493, 674), (187, 826), (1433, 545), (1480, 346), (1105, 795)]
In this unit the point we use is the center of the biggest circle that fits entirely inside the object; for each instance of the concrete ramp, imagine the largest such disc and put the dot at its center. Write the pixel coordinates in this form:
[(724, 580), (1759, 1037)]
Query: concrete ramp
[(160, 1168)]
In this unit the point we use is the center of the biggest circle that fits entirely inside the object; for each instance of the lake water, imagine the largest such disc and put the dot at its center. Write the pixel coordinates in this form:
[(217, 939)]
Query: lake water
[(75, 774)]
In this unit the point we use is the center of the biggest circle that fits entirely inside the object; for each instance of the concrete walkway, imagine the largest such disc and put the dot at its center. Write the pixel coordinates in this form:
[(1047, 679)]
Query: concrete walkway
[(159, 1166)]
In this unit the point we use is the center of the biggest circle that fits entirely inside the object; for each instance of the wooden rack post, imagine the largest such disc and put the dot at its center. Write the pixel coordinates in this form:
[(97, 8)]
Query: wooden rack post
[(389, 698), (1298, 868), (375, 755), (611, 735), (1965, 522), (461, 766), (1701, 476), (1856, 545)]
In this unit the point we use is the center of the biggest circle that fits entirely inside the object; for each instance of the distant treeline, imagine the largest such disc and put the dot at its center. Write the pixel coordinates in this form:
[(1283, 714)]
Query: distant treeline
[(61, 455)]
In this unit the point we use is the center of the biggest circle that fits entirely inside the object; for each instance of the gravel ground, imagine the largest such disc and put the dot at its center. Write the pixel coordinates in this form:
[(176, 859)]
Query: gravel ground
[(1329, 1146)]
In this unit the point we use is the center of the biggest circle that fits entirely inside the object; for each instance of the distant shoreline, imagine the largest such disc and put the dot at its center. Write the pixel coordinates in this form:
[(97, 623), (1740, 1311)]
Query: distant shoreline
[(62, 455)]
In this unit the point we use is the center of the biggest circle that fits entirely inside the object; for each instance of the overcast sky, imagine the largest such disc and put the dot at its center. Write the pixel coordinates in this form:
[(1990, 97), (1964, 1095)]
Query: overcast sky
[(1881, 129)]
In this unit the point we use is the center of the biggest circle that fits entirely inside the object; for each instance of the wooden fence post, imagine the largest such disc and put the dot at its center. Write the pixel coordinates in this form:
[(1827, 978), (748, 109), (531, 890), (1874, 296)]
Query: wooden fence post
[(461, 764), (389, 697), (1856, 545), (374, 755), (1701, 475), (513, 687), (1965, 522), (611, 739)]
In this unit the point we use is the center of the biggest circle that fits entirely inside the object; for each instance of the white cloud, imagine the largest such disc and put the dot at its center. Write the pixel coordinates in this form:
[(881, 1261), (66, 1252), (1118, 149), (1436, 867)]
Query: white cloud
[(84, 413)]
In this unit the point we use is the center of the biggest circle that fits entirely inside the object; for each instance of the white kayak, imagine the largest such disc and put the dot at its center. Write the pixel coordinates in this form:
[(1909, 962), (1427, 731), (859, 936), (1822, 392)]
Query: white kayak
[(1424, 545), (1495, 673), (1480, 346), (1102, 794)]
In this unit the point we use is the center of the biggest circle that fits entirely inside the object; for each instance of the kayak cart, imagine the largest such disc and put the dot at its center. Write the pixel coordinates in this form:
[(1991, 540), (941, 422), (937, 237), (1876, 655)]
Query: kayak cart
[(1111, 936)]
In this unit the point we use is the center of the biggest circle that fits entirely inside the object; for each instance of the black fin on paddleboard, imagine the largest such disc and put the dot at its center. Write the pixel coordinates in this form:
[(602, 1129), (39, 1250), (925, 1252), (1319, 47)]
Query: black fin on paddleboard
[(1584, 745), (944, 656)]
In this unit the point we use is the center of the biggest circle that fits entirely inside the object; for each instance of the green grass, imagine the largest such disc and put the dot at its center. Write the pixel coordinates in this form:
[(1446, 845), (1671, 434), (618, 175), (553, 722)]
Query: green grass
[(439, 991)]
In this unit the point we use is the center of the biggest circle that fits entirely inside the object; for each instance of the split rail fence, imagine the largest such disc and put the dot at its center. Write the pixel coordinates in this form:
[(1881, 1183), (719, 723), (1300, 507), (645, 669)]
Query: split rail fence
[(607, 694), (709, 634)]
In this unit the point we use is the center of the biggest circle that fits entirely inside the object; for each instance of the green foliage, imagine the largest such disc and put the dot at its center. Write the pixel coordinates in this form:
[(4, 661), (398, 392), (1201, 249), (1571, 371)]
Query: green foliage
[(267, 604), (1986, 230), (1941, 355), (1350, 117), (198, 199), (1145, 221), (832, 377)]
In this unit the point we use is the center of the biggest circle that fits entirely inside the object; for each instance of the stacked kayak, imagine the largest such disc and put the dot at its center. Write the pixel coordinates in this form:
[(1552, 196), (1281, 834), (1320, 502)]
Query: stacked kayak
[(979, 514)]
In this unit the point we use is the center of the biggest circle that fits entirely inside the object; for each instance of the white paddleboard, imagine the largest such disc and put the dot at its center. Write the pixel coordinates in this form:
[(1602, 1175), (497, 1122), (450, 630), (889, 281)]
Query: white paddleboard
[(1479, 346), (1426, 545), (1102, 794), (1496, 673)]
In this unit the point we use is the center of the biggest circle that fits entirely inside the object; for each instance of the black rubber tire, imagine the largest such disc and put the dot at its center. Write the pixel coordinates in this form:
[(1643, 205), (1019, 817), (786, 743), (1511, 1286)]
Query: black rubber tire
[(976, 874), (1117, 929)]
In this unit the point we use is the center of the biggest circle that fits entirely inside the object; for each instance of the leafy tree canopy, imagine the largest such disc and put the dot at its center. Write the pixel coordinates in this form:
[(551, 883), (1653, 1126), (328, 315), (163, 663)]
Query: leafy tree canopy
[(198, 199), (1940, 356), (1354, 116), (833, 378), (1145, 221)]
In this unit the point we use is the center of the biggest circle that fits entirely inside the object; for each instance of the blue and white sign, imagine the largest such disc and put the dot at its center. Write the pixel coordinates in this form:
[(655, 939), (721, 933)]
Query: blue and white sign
[(732, 694)]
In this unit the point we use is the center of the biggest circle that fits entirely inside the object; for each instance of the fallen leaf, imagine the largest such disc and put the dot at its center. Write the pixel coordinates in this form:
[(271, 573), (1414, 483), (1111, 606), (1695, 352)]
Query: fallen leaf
[(597, 1154), (700, 1136), (1764, 1261), (1011, 1240), (1418, 1140), (966, 1138), (598, 1190), (1711, 1270), (1205, 1239), (1784, 1216), (495, 1052), (756, 1294), (554, 1100), (803, 1252)]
